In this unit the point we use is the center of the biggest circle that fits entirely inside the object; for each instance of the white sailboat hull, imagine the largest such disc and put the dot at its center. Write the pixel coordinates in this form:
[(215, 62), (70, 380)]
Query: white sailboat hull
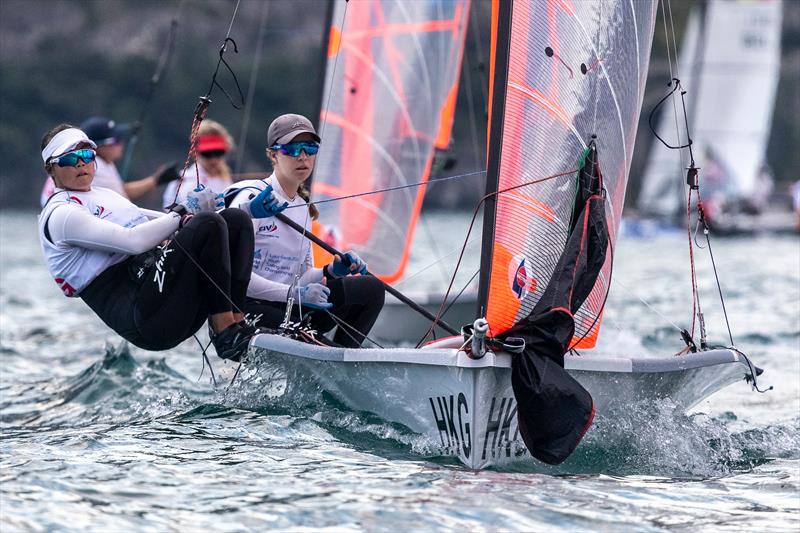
[(467, 406)]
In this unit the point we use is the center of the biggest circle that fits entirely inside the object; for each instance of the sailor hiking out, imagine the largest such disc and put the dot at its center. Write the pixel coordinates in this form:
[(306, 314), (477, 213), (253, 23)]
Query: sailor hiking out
[(282, 261), (152, 277), (110, 137)]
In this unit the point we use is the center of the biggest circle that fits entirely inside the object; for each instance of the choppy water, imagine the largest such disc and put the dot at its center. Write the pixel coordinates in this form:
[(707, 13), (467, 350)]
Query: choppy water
[(98, 437)]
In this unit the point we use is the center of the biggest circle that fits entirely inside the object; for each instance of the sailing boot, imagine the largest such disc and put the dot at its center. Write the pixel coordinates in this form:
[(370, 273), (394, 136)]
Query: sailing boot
[(233, 341)]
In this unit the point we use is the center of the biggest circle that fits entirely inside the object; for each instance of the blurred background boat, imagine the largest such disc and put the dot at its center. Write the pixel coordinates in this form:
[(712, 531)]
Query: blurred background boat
[(729, 66)]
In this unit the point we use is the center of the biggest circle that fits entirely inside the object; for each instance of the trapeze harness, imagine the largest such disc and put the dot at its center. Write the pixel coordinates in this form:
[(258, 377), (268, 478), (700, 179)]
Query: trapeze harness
[(357, 300), (102, 248)]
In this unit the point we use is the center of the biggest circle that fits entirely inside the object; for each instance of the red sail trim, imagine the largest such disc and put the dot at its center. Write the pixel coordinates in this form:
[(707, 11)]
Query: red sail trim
[(532, 204), (334, 41), (548, 105), (448, 114), (396, 29), (355, 172)]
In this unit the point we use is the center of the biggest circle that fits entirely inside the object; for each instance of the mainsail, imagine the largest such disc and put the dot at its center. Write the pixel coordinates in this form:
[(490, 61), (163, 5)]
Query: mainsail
[(563, 72), (390, 90), (730, 60)]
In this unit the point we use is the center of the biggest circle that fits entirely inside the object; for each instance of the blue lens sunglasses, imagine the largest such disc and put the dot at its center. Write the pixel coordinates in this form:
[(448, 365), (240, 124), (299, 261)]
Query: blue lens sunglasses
[(294, 149), (70, 159)]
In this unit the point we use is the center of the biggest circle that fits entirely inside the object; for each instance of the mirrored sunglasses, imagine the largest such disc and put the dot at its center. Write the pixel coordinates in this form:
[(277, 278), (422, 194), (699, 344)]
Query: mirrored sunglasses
[(70, 159), (294, 149)]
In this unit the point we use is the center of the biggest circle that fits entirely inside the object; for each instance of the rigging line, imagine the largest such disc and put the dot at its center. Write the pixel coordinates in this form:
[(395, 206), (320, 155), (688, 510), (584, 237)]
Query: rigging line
[(469, 231), (432, 239), (205, 361), (750, 366), (166, 54), (431, 265), (207, 275), (716, 276), (395, 188), (203, 104), (235, 375), (248, 106), (647, 304), (676, 87), (696, 310), (221, 60), (675, 80), (230, 27), (333, 73), (466, 285), (674, 41), (345, 327)]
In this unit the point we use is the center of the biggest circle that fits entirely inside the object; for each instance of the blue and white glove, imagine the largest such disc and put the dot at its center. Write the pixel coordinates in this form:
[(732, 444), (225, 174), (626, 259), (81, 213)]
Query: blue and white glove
[(265, 205), (203, 199), (315, 296), (349, 264)]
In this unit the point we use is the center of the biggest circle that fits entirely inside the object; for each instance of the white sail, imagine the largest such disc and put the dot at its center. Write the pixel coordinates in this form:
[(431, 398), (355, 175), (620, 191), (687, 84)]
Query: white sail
[(729, 67)]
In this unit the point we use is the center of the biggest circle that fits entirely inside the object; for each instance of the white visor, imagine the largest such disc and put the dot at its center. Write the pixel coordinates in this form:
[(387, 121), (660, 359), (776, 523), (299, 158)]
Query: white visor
[(64, 141)]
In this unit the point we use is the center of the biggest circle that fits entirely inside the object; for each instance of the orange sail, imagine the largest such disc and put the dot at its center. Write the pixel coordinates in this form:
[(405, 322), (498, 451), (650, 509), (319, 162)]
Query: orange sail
[(389, 98)]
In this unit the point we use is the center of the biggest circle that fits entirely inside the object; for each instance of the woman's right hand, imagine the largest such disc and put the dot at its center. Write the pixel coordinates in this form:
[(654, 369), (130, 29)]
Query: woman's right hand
[(203, 199), (315, 296), (265, 205)]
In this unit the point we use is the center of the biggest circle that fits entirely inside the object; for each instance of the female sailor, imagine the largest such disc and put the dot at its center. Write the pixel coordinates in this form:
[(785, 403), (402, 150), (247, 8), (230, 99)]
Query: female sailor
[(151, 285), (282, 263), (213, 144), (109, 137)]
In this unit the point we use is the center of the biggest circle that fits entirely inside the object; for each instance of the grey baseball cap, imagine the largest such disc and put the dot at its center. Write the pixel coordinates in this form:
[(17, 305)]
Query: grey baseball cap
[(286, 127)]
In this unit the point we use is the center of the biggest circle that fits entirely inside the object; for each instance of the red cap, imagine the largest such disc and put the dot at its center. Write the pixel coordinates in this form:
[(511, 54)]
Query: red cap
[(208, 143)]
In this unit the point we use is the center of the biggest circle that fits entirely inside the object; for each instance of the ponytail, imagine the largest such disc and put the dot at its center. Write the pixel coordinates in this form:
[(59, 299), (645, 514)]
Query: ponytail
[(305, 194)]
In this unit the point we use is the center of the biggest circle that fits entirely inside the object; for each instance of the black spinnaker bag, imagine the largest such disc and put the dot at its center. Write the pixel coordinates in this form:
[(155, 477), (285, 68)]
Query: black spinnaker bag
[(554, 411)]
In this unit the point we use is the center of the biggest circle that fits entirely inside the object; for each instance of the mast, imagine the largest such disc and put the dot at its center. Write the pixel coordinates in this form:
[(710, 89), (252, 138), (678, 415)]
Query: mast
[(501, 17)]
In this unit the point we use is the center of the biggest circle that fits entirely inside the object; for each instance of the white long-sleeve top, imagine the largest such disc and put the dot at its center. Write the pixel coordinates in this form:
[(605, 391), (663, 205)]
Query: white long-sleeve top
[(280, 253), (84, 233)]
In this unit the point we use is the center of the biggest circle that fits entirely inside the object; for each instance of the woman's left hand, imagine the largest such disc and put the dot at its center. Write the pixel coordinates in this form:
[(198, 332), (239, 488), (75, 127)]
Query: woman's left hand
[(350, 264)]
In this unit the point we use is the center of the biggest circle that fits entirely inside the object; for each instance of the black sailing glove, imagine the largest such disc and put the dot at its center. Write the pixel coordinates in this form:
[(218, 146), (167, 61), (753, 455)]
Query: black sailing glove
[(167, 173)]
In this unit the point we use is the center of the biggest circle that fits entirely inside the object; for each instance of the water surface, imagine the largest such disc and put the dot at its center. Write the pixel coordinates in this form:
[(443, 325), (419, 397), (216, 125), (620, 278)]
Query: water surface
[(96, 436)]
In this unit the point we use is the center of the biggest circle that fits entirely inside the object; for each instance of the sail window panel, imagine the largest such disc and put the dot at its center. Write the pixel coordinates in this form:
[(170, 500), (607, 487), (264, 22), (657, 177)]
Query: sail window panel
[(390, 71)]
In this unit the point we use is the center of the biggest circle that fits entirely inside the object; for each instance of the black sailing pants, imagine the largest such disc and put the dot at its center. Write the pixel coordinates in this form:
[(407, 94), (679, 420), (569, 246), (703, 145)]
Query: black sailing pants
[(357, 301), (158, 299)]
